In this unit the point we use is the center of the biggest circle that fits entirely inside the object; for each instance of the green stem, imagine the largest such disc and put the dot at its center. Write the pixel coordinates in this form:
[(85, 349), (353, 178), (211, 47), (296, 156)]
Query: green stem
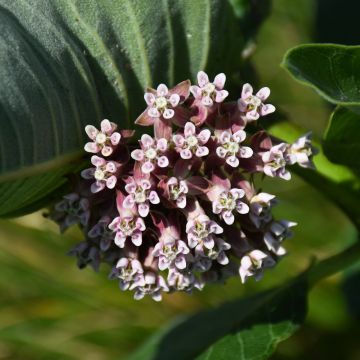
[(334, 264)]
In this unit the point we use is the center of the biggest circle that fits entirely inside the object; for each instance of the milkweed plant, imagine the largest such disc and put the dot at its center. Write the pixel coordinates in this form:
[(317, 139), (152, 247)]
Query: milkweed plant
[(181, 209)]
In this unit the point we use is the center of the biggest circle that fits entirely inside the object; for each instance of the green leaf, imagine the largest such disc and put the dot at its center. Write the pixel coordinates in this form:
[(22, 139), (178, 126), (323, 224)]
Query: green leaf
[(244, 329), (68, 63), (332, 70), (341, 141)]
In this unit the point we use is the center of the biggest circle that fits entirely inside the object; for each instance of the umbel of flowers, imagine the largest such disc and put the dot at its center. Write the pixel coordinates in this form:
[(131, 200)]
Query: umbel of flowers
[(180, 209)]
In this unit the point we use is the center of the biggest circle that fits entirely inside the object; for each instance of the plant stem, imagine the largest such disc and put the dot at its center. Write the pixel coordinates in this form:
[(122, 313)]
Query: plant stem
[(334, 264)]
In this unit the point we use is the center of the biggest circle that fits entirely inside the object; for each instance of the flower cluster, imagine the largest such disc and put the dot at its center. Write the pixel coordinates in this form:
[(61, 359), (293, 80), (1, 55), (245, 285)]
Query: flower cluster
[(180, 209)]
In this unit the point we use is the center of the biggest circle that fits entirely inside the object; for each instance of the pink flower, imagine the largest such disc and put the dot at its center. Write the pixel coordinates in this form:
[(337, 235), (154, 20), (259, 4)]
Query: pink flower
[(200, 232), (191, 143), (217, 252), (127, 270), (253, 105), (105, 173), (105, 140), (260, 208), (176, 190), (275, 162), (208, 92), (149, 284), (183, 280), (301, 152), (278, 231), (140, 194), (230, 147), (228, 202), (171, 254), (125, 227), (253, 263), (151, 153)]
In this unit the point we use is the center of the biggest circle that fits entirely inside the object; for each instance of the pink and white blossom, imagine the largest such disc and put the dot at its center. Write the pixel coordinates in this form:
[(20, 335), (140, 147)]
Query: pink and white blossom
[(275, 162), (183, 280), (230, 149), (127, 270), (140, 194), (228, 202), (200, 232), (176, 190), (104, 173), (209, 92), (149, 284), (301, 152), (171, 254), (152, 153), (253, 105), (260, 208), (127, 227), (277, 232), (103, 141), (191, 143), (253, 264)]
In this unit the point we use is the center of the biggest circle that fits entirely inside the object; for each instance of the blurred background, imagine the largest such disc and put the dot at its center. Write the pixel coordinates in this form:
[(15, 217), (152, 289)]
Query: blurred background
[(51, 310)]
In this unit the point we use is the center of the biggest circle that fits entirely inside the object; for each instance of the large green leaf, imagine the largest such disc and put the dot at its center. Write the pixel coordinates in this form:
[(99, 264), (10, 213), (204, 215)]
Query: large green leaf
[(243, 329), (333, 70), (66, 63), (341, 142)]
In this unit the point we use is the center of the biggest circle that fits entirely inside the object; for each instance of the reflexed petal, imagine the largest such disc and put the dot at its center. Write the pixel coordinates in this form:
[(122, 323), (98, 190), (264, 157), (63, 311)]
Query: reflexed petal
[(252, 115), (147, 140), (186, 154), (219, 80), (239, 136), (162, 90), (202, 151), (136, 238), (168, 113), (97, 161), (267, 109), (269, 171), (97, 186), (221, 96), (137, 155), (222, 258), (111, 167), (149, 98), (106, 126), (228, 217), (129, 202), (163, 161), (242, 105), (147, 167), (204, 136), (115, 138), (180, 262), (189, 129), (163, 263), (181, 202), (245, 152), (263, 93), (143, 209), (221, 152), (111, 182), (196, 91), (106, 151), (153, 112), (162, 144), (92, 147), (232, 161), (285, 174), (154, 198), (178, 140), (120, 239), (88, 173), (247, 91), (174, 100), (91, 131), (225, 137), (242, 208), (209, 242), (202, 78)]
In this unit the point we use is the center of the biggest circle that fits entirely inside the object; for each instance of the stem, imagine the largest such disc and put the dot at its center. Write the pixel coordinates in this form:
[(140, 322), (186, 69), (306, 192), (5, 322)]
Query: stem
[(334, 264)]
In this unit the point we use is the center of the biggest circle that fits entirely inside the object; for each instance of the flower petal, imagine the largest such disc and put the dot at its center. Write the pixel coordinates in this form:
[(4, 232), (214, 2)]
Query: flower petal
[(202, 78), (162, 90), (219, 80)]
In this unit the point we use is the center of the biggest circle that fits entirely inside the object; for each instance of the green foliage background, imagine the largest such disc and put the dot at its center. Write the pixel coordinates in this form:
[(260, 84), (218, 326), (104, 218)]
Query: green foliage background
[(51, 310)]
